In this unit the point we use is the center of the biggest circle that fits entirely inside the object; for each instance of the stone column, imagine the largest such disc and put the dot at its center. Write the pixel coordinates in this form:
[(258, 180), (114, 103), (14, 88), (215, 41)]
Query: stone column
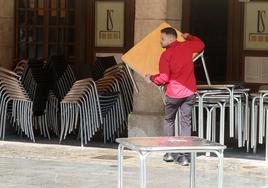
[(148, 114), (174, 13), (6, 33)]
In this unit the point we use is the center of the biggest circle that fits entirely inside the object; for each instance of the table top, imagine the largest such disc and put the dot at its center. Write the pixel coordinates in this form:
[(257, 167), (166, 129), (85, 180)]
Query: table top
[(262, 91), (169, 143)]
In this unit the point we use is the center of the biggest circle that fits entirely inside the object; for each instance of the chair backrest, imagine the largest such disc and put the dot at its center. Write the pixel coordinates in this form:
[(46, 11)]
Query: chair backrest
[(101, 64)]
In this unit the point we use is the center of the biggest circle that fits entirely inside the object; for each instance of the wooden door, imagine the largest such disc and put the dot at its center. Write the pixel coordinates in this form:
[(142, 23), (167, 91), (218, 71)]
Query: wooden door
[(46, 27)]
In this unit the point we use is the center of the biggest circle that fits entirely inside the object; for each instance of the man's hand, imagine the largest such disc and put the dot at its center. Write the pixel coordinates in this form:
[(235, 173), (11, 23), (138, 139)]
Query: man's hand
[(147, 78), (185, 35)]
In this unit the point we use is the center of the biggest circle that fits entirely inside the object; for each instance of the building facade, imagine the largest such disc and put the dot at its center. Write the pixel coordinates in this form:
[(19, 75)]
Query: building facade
[(234, 32)]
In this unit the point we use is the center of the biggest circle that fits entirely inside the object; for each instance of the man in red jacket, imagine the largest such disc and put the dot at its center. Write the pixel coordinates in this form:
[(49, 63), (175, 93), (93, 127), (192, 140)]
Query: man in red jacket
[(176, 72)]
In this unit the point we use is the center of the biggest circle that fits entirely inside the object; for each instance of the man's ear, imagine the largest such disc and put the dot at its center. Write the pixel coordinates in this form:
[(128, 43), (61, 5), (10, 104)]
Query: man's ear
[(171, 39)]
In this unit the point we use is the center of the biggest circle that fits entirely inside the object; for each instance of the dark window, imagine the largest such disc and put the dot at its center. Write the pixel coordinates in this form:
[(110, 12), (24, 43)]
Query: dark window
[(44, 28)]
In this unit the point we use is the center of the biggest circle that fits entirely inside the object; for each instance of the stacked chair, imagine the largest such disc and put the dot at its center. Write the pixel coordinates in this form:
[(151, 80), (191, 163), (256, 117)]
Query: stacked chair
[(224, 96), (101, 64), (259, 119), (52, 113), (126, 84), (20, 67), (101, 105), (81, 106), (61, 76), (118, 83), (46, 85), (35, 82), (57, 103), (15, 105)]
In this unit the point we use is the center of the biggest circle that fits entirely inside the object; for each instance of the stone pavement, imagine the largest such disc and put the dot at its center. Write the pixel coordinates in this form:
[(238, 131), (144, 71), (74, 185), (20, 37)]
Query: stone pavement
[(28, 165)]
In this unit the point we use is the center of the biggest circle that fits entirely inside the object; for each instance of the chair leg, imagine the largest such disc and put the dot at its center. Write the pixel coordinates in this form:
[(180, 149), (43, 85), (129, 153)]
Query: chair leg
[(255, 130), (261, 120), (222, 123), (253, 123), (239, 123), (213, 119), (236, 120), (194, 119), (208, 136), (248, 129), (266, 141), (200, 118), (209, 124)]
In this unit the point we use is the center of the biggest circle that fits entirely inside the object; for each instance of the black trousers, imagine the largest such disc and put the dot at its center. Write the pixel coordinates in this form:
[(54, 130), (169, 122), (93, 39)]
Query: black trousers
[(171, 108)]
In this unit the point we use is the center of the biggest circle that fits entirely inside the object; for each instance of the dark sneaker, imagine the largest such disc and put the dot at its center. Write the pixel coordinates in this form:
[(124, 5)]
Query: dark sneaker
[(183, 160), (168, 157)]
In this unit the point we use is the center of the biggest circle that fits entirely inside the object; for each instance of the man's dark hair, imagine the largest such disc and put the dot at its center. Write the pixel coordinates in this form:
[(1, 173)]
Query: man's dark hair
[(170, 31)]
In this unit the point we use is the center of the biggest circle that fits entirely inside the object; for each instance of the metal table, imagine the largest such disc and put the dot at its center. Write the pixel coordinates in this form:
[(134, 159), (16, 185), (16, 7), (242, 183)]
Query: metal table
[(146, 145)]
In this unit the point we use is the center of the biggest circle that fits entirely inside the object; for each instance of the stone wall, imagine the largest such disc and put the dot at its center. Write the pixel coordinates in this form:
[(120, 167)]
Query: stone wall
[(6, 33)]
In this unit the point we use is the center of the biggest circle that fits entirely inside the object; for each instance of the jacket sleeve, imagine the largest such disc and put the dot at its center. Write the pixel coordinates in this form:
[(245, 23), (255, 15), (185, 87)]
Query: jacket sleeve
[(195, 44), (164, 71)]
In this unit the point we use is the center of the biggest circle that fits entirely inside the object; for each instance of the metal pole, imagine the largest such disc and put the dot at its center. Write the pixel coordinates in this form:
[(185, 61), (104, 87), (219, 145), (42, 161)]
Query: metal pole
[(221, 166), (120, 166)]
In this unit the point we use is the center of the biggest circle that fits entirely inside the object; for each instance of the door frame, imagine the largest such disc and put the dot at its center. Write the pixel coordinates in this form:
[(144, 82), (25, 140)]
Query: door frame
[(91, 50)]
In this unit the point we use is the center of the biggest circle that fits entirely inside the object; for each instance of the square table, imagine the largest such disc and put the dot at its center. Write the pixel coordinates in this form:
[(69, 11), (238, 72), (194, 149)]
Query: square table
[(182, 144)]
